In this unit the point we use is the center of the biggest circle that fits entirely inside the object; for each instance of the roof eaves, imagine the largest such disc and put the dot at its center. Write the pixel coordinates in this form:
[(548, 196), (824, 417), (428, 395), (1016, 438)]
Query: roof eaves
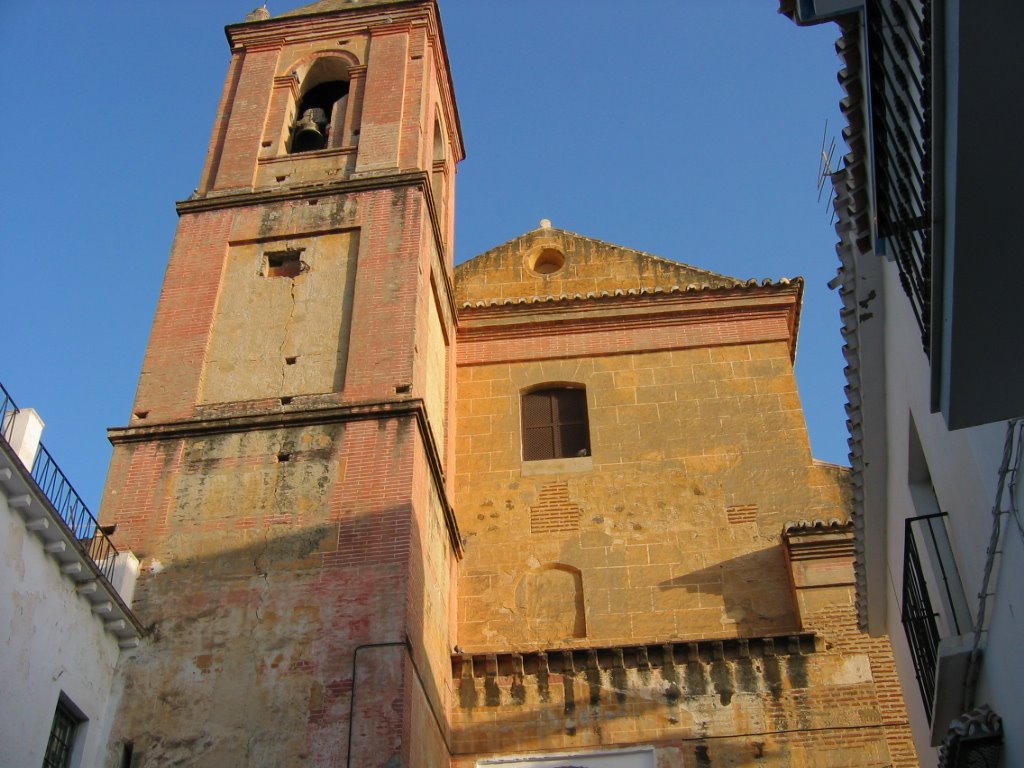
[(623, 292), (853, 226), (333, 6)]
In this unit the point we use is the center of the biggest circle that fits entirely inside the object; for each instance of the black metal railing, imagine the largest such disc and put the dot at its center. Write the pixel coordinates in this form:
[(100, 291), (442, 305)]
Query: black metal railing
[(919, 621), (933, 602), (55, 486), (899, 45)]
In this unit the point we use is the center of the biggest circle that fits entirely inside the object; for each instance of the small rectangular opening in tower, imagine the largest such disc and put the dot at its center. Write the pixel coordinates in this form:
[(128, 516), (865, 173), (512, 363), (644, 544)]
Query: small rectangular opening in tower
[(284, 264)]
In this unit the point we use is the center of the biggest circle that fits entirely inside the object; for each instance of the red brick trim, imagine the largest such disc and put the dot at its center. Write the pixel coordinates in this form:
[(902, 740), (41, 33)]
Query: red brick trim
[(613, 335)]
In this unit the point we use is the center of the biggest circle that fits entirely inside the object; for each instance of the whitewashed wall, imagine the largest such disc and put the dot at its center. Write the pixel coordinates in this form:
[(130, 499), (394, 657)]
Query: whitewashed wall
[(51, 643), (963, 465)]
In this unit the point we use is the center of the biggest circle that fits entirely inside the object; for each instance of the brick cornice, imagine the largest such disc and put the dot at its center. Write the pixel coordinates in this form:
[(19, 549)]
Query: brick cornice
[(577, 658), (241, 198), (313, 26), (306, 415), (734, 300), (751, 314), (819, 540)]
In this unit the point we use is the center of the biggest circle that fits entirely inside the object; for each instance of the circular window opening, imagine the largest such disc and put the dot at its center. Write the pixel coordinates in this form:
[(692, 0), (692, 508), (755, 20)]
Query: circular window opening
[(548, 261)]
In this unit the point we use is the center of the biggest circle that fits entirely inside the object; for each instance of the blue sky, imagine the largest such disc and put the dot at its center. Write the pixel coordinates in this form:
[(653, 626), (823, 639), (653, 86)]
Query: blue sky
[(689, 130)]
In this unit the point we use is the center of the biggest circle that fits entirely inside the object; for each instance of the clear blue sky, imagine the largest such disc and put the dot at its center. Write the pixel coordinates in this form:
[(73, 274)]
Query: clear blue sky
[(689, 130)]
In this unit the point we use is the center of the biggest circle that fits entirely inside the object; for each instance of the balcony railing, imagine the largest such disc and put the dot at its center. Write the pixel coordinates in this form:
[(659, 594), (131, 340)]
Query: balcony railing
[(54, 485), (933, 599)]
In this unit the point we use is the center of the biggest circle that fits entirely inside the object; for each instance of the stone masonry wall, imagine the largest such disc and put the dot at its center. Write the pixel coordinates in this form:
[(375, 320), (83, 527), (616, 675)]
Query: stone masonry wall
[(673, 523), (645, 593)]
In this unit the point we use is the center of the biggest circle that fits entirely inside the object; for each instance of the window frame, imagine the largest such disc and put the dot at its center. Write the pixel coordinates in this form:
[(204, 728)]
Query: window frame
[(60, 744), (568, 412)]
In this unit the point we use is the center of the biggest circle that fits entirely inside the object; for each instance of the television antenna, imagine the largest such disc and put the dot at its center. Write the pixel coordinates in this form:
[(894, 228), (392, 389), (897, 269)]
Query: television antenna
[(825, 169)]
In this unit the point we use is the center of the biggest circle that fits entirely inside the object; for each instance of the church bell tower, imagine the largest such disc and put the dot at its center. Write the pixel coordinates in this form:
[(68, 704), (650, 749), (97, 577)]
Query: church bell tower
[(283, 475)]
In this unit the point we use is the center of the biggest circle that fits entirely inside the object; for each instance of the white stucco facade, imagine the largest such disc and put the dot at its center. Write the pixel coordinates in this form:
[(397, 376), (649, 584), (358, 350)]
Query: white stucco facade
[(962, 469), (60, 641), (930, 279)]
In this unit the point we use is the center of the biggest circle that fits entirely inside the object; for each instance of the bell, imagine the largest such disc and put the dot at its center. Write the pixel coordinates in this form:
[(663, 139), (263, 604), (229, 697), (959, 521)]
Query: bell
[(309, 133)]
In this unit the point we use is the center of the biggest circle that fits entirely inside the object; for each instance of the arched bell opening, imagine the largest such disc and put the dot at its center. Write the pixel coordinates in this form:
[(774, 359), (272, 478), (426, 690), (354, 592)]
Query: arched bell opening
[(320, 116)]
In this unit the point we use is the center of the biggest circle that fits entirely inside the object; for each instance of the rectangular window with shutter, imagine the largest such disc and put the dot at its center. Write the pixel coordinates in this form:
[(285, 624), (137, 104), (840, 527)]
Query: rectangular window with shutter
[(555, 424)]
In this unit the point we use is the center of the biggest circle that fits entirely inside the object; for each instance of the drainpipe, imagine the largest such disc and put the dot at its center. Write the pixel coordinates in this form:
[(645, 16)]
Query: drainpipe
[(352, 698), (974, 663)]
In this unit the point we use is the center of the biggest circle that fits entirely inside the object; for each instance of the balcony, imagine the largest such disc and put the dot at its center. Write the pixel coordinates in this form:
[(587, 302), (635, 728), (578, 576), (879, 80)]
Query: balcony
[(934, 616), (39, 492)]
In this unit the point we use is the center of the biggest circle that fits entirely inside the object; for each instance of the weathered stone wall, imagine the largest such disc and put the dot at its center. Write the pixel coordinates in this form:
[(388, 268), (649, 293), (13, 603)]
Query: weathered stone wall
[(571, 632), (651, 592), (261, 575), (777, 703), (278, 336), (673, 523), (590, 266)]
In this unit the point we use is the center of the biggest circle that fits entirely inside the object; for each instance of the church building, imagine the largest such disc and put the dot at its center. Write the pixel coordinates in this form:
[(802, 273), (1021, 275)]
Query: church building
[(555, 506)]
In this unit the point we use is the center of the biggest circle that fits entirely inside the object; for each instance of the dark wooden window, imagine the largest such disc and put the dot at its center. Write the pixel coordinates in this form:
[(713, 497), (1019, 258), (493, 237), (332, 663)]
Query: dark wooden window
[(555, 424), (62, 737)]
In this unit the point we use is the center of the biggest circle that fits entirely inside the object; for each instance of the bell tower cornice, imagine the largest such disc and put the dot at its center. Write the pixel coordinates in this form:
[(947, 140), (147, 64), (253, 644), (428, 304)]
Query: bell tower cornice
[(351, 19)]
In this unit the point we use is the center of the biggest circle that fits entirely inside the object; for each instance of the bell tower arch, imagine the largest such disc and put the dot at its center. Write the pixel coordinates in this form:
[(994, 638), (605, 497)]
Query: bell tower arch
[(283, 473)]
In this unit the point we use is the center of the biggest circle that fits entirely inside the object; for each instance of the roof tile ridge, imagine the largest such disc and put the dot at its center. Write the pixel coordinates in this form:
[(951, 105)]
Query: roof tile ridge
[(616, 293)]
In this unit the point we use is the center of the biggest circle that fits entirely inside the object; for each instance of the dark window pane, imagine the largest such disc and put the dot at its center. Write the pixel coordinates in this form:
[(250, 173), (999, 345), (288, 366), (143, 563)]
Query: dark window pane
[(571, 405), (573, 439)]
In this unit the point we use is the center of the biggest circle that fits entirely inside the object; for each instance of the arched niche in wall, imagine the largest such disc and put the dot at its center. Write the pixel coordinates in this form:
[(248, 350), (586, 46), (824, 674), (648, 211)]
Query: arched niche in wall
[(549, 601)]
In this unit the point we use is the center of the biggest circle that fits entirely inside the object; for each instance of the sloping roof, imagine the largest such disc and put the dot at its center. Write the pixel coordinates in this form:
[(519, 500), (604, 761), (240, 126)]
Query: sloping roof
[(329, 6), (515, 272)]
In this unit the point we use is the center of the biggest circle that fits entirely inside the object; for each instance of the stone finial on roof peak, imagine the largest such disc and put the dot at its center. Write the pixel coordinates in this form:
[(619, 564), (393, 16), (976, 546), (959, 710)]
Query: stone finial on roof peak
[(262, 13)]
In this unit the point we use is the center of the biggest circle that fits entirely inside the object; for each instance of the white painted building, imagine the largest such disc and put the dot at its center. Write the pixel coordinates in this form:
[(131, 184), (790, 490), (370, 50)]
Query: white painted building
[(64, 610), (932, 281)]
